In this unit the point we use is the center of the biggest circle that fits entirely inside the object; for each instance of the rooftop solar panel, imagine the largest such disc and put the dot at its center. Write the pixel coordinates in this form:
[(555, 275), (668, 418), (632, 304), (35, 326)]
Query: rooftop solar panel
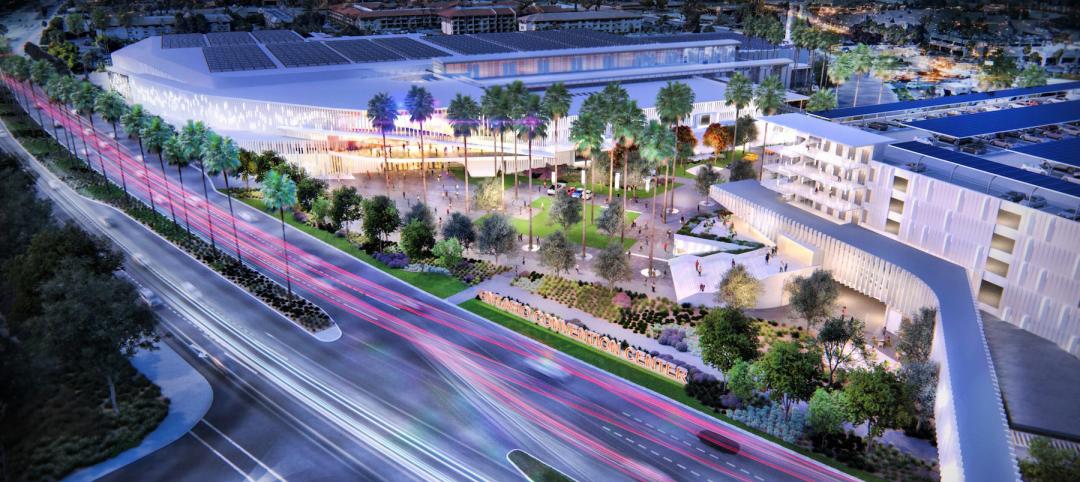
[(1065, 151), (229, 38), (409, 48), (520, 42), (467, 44), (362, 51), (277, 36), (942, 101), (991, 167), (305, 54), (231, 58), (1002, 120), (558, 37), (183, 41)]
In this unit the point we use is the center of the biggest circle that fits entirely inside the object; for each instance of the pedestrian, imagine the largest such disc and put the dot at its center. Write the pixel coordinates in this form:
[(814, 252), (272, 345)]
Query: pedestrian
[(577, 268), (766, 258), (702, 287)]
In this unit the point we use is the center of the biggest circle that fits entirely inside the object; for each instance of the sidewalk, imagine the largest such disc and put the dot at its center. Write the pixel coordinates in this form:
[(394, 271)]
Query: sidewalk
[(189, 397)]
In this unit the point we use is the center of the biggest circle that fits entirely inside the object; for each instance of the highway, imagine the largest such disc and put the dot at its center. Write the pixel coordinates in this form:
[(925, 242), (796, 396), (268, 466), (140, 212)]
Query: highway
[(417, 388)]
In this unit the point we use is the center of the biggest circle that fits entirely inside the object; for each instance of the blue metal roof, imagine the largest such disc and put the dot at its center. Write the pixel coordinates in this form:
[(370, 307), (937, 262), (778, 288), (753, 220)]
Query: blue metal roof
[(993, 168), (1065, 151), (947, 100), (1001, 120)]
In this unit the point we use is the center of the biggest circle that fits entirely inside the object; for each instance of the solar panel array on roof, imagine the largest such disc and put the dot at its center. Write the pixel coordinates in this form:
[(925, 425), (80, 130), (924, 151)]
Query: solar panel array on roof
[(305, 54), (588, 38), (1065, 151), (409, 48), (947, 100), (1002, 120), (556, 36), (467, 44), (361, 51), (231, 58), (520, 42), (277, 36), (990, 167), (183, 41), (229, 38)]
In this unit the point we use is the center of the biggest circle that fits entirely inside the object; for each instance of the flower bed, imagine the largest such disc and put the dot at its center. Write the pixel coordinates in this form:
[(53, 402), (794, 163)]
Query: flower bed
[(770, 419), (476, 271)]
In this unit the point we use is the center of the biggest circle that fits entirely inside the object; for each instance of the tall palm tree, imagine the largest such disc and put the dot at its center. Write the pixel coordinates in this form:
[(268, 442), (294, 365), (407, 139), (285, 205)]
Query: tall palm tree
[(627, 123), (54, 91), (111, 107), (464, 116), (862, 61), (133, 121), (279, 192), (66, 88), (768, 98), (516, 94), (533, 126), (841, 69), (40, 73), (739, 93), (883, 68), (173, 149), (826, 42), (193, 138), (674, 102), (614, 97), (595, 106), (823, 99), (493, 108), (587, 134), (18, 68), (382, 112), (220, 155), (657, 145), (557, 105), (85, 101), (154, 133), (421, 106)]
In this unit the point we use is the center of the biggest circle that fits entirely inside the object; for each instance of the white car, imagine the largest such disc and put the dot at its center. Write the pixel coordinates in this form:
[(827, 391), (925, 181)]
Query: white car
[(555, 188)]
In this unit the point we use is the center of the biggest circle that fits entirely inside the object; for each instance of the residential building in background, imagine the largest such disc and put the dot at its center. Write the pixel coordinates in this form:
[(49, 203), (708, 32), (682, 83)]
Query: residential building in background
[(144, 26), (611, 21), (466, 20)]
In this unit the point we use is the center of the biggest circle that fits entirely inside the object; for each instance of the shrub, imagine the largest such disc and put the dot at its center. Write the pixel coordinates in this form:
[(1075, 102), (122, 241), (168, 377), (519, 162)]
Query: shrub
[(770, 419), (392, 260)]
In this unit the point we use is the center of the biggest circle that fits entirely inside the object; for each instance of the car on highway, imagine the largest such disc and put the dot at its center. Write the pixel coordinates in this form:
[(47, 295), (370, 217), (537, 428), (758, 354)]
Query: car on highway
[(149, 297), (719, 442)]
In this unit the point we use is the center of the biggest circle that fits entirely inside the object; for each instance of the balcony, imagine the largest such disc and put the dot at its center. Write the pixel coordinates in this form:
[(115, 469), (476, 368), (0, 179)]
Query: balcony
[(802, 170), (813, 152)]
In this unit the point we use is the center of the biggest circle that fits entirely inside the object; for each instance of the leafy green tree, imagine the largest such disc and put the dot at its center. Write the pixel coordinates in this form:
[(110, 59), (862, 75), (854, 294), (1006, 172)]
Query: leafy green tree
[(921, 381), (840, 338), (674, 103), (99, 18), (448, 251), (496, 236), (790, 372), (612, 265), (381, 218), (75, 23), (704, 180), (825, 413), (320, 212), (308, 188), (739, 93), (726, 336), (488, 195), (421, 106), (220, 156), (279, 193), (31, 215), (556, 252), (1032, 76), (464, 115), (916, 336), (1047, 463), (875, 397), (741, 170), (417, 239), (718, 138), (822, 99), (92, 321), (346, 207), (611, 218), (419, 212), (565, 210), (460, 227), (743, 379), (998, 72), (812, 297), (738, 289), (382, 113)]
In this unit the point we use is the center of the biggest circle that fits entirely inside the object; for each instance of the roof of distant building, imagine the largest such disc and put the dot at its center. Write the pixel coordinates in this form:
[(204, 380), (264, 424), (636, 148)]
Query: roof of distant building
[(476, 12), (577, 16), (846, 135)]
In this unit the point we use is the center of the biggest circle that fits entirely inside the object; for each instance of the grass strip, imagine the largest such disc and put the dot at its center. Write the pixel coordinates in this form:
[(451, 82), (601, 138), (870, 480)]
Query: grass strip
[(534, 469)]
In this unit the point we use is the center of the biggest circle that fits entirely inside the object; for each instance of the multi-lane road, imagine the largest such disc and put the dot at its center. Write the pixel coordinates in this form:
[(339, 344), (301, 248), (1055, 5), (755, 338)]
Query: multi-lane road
[(414, 389)]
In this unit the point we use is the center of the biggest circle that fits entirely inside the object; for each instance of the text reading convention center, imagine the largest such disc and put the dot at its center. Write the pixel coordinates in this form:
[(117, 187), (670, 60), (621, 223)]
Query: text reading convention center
[(894, 199), (306, 99)]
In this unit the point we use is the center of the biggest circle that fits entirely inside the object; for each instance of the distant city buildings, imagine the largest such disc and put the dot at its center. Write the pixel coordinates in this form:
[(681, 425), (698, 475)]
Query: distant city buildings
[(611, 21), (140, 27)]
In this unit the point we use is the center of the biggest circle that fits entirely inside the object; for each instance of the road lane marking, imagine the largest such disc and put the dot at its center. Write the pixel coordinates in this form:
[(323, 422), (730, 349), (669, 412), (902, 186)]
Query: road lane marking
[(744, 471), (669, 460), (695, 473), (654, 453), (759, 478), (642, 446), (222, 457), (730, 464), (699, 450), (242, 449), (680, 466)]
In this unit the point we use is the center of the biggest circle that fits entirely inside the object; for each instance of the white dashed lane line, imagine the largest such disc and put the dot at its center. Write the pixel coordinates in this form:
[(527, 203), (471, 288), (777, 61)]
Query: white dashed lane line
[(654, 453), (680, 466), (695, 473), (668, 460), (730, 464), (747, 472), (759, 478), (642, 447)]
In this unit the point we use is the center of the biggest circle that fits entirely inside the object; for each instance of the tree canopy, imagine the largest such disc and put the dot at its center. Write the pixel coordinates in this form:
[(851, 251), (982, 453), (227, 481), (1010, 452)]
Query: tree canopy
[(612, 265), (726, 336), (812, 297), (738, 288), (496, 235), (556, 252)]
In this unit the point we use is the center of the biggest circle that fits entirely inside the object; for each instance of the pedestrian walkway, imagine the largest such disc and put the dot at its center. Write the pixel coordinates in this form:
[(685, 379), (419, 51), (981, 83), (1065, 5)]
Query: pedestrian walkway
[(189, 397)]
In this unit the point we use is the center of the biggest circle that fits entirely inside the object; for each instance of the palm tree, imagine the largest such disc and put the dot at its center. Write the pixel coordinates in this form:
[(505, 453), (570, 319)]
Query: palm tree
[(768, 97), (18, 68), (556, 105), (111, 107), (1031, 76), (464, 115), (826, 42), (587, 134), (493, 108), (40, 73), (154, 133), (133, 121), (595, 106), (674, 102), (66, 89), (841, 69), (739, 93), (515, 102), (279, 192), (883, 68), (627, 123), (421, 106), (85, 101), (862, 61), (823, 99), (173, 149), (533, 126), (382, 112), (657, 145), (193, 138), (613, 97), (220, 155), (54, 91)]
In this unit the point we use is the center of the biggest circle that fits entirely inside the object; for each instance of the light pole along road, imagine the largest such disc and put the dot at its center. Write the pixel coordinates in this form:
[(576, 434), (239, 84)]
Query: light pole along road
[(432, 391)]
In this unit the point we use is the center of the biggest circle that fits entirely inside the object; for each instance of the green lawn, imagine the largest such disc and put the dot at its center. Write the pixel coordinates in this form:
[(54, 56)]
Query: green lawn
[(535, 469), (594, 238), (437, 284), (632, 373), (721, 162), (574, 180)]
